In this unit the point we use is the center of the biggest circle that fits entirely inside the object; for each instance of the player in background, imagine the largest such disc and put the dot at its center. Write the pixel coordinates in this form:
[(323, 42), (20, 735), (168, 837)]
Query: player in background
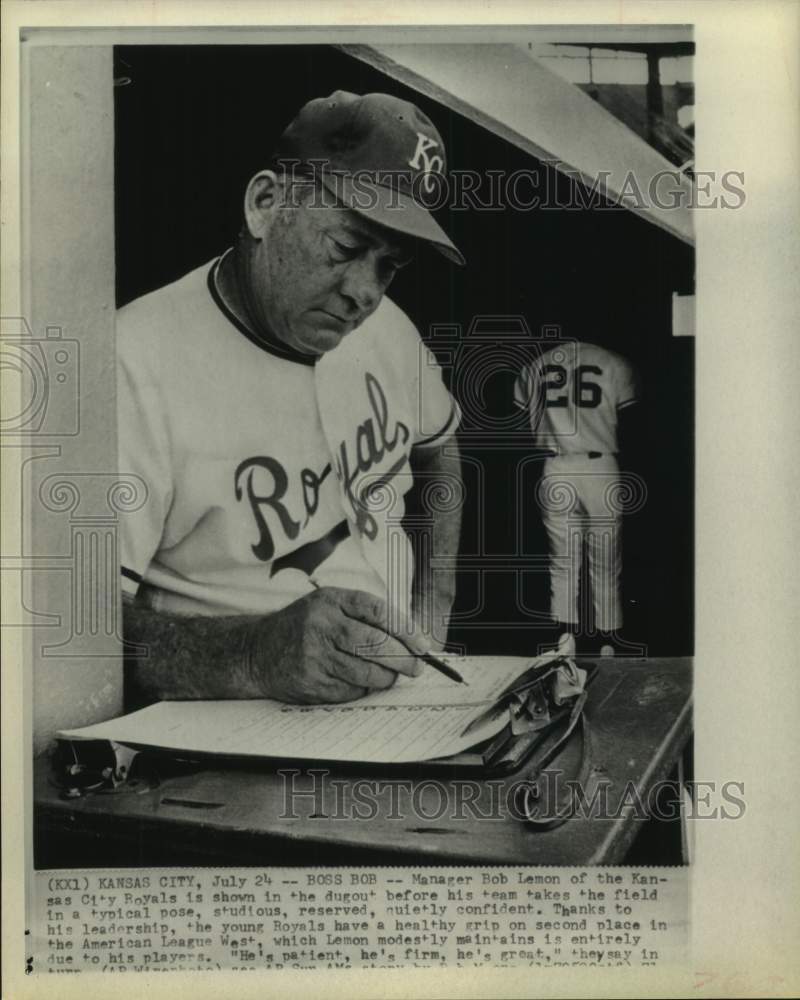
[(573, 394)]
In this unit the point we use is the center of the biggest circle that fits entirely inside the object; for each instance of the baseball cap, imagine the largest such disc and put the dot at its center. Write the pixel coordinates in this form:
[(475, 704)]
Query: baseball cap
[(378, 155)]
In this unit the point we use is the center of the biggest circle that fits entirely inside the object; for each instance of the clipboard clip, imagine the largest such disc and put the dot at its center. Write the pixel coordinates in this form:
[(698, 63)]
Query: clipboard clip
[(90, 766), (530, 700), (533, 698)]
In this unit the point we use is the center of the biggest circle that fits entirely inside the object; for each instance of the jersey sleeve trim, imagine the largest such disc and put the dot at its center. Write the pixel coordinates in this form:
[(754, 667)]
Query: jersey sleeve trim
[(452, 422), (627, 402)]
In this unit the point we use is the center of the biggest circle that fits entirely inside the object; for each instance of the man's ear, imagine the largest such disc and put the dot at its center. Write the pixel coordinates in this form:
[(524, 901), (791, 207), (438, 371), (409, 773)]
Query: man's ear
[(260, 199)]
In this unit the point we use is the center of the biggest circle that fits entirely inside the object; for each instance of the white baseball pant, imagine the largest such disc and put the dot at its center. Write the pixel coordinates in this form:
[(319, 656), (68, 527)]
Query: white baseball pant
[(579, 500)]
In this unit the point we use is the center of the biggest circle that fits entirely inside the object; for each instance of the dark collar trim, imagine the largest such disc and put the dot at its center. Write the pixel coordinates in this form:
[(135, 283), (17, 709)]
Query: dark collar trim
[(275, 347)]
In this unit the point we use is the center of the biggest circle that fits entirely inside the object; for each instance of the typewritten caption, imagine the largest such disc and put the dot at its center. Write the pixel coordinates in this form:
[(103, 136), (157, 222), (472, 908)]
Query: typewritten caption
[(279, 918)]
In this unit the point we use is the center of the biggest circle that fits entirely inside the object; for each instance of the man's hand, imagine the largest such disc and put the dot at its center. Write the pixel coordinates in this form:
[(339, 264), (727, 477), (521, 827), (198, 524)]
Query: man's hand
[(333, 645)]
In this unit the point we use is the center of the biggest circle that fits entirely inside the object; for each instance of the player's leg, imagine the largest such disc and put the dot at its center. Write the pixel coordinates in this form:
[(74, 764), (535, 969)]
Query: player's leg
[(557, 501), (604, 547)]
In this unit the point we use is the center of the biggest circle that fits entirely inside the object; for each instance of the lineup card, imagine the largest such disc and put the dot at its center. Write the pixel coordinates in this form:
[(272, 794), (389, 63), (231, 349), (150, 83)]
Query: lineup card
[(417, 719)]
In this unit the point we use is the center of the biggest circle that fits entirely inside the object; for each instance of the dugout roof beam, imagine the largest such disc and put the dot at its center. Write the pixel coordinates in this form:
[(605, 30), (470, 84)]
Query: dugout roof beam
[(511, 94)]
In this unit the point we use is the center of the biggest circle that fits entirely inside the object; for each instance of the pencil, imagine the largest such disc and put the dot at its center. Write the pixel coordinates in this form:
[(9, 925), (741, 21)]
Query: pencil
[(428, 658), (442, 667)]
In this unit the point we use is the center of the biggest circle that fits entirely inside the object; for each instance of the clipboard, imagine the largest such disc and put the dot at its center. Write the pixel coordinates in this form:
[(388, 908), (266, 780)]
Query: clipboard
[(538, 727)]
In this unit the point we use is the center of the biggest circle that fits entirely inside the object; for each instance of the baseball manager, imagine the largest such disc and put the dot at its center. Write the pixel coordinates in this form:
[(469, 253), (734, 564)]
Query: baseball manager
[(279, 406)]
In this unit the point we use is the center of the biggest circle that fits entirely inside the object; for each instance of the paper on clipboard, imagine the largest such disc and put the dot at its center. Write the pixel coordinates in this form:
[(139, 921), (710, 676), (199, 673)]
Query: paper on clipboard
[(417, 719)]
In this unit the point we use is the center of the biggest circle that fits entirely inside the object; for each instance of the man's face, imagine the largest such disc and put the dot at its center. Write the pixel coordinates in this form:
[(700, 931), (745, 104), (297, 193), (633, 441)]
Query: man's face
[(320, 272)]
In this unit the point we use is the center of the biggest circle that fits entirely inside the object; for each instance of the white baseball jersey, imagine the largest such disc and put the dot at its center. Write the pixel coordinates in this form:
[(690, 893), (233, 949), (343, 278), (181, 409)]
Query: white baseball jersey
[(258, 461), (573, 393)]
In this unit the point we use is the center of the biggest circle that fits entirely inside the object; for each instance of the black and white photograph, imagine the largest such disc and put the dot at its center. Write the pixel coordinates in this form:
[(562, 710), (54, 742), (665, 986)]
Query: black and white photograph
[(496, 465), (355, 447)]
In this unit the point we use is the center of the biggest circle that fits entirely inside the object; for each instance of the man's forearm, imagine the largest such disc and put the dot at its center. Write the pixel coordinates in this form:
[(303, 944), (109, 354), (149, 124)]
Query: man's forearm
[(187, 658), (307, 652), (434, 586)]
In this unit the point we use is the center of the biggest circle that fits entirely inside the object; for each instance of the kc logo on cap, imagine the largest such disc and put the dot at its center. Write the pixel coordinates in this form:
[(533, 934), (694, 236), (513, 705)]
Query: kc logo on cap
[(357, 147), (429, 164)]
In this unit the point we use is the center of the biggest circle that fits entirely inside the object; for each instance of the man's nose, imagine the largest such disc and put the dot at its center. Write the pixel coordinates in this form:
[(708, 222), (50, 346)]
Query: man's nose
[(361, 284)]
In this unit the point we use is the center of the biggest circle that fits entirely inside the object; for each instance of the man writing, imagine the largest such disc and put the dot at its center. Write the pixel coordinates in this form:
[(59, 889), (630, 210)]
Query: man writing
[(278, 407)]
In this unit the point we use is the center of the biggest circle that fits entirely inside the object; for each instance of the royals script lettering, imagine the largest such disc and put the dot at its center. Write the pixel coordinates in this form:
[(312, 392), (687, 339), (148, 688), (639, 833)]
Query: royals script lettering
[(366, 461)]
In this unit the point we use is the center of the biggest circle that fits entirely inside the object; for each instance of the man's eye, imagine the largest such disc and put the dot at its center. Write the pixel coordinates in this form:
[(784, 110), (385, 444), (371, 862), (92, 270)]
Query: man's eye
[(345, 251)]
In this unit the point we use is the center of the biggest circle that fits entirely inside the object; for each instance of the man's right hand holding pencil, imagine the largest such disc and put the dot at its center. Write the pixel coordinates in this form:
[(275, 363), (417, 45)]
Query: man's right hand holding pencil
[(332, 645)]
